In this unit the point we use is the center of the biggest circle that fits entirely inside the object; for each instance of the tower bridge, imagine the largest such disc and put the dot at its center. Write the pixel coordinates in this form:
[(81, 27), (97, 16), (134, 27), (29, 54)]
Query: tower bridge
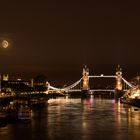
[(83, 83), (82, 86)]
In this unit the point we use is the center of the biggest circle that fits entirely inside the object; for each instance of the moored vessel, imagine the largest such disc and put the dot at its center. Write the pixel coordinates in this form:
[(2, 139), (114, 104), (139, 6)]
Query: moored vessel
[(24, 113), (132, 96)]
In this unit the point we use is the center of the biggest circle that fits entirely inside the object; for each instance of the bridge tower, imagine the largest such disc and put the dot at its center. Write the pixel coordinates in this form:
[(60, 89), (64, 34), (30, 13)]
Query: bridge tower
[(85, 79), (47, 85), (118, 78)]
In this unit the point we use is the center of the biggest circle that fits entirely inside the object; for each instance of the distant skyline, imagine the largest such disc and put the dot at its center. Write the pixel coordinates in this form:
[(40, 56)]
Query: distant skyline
[(57, 38)]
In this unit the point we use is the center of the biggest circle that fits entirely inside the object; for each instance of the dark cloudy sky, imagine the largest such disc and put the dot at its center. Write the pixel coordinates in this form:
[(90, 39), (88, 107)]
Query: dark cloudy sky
[(58, 37)]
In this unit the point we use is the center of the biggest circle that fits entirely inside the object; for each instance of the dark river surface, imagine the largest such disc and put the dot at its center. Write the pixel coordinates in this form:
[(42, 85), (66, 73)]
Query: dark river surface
[(78, 119)]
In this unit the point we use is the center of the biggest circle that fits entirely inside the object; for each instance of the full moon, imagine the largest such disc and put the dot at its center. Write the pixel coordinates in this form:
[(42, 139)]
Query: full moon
[(5, 44)]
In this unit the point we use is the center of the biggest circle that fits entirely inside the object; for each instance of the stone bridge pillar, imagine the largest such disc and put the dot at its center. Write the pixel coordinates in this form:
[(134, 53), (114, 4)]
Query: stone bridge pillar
[(47, 87), (85, 79), (118, 78)]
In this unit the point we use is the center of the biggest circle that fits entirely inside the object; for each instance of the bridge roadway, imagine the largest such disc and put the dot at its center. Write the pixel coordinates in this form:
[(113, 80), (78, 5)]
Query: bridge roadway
[(93, 90)]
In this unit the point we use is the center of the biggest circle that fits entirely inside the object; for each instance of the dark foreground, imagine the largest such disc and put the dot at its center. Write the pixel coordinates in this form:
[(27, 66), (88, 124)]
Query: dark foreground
[(78, 119)]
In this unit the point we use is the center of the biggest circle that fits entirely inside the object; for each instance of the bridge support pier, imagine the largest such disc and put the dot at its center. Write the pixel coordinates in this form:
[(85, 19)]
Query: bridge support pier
[(85, 81), (118, 78), (47, 87), (118, 89)]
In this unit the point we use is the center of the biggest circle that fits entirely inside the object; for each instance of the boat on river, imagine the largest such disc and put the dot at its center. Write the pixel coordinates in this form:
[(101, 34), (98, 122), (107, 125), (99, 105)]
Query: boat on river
[(132, 96), (18, 111), (24, 113)]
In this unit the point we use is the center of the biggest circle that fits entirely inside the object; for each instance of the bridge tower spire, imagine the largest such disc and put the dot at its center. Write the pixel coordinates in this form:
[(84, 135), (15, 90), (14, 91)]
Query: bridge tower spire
[(119, 78), (85, 78)]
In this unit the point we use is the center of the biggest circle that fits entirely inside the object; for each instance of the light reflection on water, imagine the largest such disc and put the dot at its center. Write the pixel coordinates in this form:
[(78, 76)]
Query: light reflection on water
[(78, 119)]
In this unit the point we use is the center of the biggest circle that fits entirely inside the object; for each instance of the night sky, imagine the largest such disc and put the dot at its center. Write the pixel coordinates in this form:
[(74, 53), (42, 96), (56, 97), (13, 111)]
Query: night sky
[(58, 37)]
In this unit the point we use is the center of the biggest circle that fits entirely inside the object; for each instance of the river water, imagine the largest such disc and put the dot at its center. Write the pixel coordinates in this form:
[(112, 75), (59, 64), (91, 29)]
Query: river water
[(78, 119)]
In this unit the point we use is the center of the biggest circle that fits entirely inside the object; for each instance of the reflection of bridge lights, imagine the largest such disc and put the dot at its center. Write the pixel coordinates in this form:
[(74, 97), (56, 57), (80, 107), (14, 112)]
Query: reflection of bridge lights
[(91, 99)]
